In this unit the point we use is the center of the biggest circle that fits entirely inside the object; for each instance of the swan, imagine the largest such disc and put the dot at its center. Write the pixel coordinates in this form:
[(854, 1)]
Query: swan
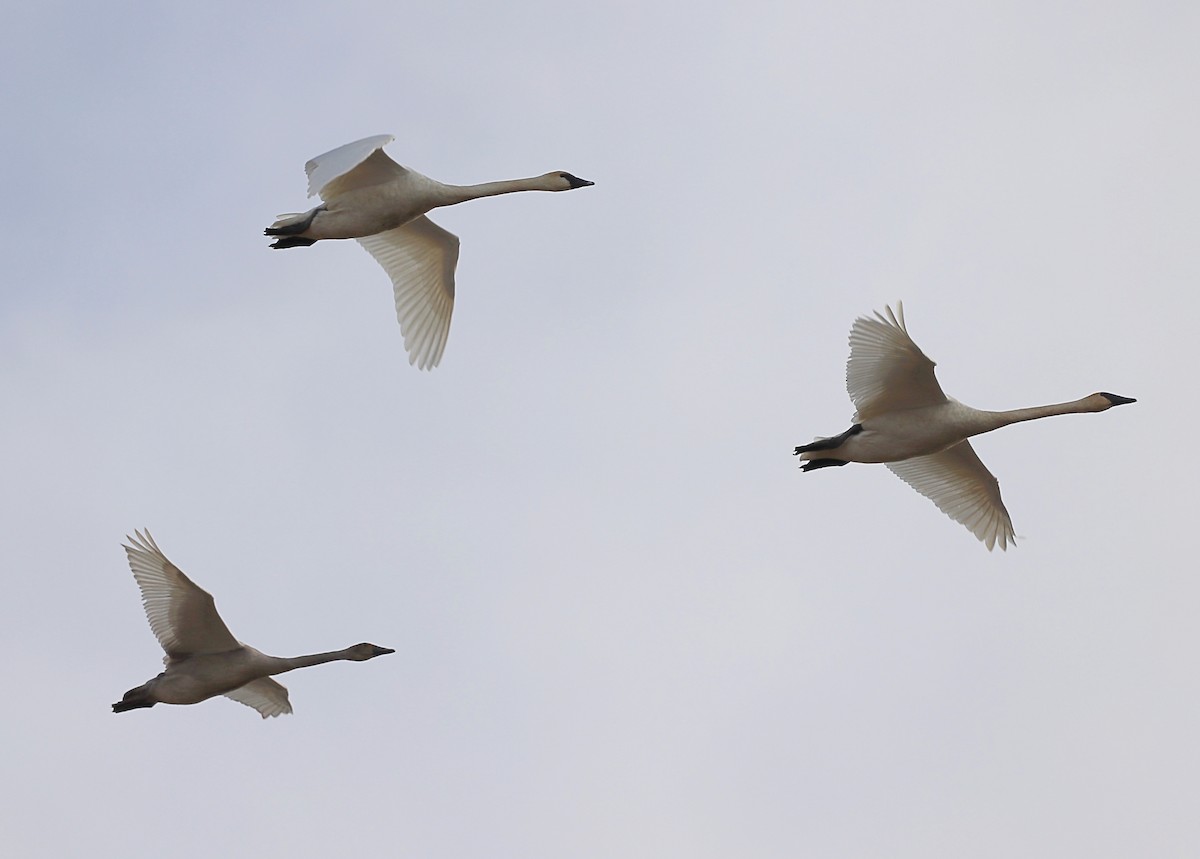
[(907, 423), (203, 658), (369, 197)]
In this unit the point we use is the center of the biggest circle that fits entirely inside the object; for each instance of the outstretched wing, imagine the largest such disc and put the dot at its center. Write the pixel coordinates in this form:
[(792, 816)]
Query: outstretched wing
[(420, 258), (958, 482), (264, 695), (182, 615), (887, 371), (355, 165)]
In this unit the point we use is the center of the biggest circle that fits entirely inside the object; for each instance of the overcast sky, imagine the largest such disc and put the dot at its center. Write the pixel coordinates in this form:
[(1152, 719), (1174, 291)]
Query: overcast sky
[(626, 624)]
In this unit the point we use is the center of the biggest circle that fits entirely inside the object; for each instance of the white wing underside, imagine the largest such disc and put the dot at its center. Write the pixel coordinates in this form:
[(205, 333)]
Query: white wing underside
[(961, 486), (355, 165), (264, 695), (420, 258), (887, 371), (182, 615)]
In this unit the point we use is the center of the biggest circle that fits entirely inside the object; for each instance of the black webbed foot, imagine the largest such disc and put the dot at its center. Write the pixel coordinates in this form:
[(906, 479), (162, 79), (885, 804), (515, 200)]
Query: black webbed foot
[(292, 242), (812, 464), (830, 443)]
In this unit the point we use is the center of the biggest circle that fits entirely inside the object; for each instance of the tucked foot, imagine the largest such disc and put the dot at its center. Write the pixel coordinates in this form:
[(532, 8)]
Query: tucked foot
[(290, 225), (135, 698), (829, 443), (291, 242), (822, 463), (123, 706)]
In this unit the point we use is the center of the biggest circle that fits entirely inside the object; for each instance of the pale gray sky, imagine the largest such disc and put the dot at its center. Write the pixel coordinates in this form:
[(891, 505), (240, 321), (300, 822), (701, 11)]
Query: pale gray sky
[(626, 624)]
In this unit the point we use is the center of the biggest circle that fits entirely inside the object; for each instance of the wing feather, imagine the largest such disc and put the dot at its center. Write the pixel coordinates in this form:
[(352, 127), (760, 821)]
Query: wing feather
[(887, 371), (265, 695), (182, 615), (420, 258), (355, 165), (958, 482)]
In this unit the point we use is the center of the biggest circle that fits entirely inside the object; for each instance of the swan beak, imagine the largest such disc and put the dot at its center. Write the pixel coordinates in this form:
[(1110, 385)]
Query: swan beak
[(1117, 400), (382, 651), (576, 182)]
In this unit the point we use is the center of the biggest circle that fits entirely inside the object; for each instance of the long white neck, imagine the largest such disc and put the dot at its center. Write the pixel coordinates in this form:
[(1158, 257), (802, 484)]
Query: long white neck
[(461, 193), (281, 664), (995, 420)]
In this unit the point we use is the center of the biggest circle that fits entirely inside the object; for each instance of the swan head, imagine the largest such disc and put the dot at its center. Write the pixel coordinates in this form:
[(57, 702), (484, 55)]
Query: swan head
[(1106, 400), (365, 651), (560, 180)]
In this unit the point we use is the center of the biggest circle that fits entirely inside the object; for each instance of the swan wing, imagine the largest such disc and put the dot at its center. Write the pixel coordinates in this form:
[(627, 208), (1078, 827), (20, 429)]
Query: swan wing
[(182, 615), (264, 695), (887, 371), (420, 258), (354, 165), (958, 482)]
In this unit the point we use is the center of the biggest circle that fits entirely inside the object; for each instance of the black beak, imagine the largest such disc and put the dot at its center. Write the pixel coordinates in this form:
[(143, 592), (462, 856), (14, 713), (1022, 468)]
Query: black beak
[(1117, 400), (382, 651), (576, 182)]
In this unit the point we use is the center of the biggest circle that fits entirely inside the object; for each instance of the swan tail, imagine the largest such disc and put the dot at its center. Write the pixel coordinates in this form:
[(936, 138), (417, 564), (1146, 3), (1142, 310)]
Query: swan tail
[(289, 223)]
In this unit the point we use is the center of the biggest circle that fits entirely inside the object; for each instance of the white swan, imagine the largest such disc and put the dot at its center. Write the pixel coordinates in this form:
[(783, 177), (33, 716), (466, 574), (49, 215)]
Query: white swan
[(370, 197), (203, 658), (906, 422)]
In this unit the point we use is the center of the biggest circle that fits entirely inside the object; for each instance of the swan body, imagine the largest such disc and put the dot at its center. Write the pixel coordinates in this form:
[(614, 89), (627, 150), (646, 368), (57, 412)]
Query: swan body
[(369, 197), (905, 421), (203, 658)]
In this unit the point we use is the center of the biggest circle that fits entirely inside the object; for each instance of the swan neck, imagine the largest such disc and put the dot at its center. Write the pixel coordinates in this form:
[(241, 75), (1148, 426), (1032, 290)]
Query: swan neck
[(1014, 416), (291, 663), (462, 193)]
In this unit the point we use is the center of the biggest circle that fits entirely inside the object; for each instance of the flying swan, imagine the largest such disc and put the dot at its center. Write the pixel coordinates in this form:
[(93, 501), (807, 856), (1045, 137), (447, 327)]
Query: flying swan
[(203, 658), (371, 198), (906, 422)]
